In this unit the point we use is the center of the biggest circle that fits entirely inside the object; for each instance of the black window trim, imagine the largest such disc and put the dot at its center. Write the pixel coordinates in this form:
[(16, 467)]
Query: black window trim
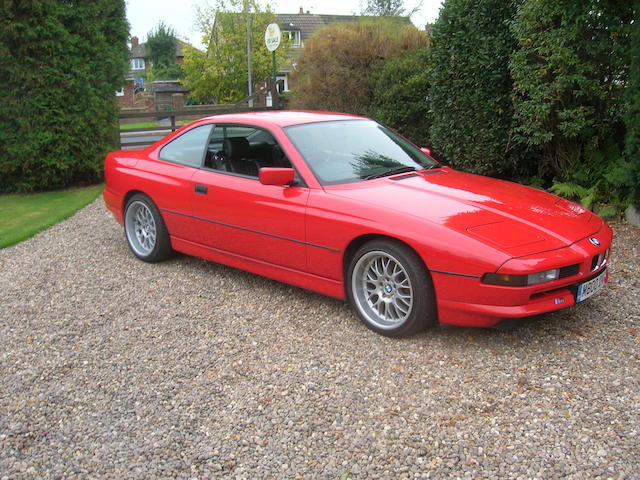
[(298, 178)]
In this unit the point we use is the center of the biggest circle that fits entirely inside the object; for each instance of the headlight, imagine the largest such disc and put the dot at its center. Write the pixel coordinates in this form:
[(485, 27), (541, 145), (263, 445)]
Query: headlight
[(521, 280)]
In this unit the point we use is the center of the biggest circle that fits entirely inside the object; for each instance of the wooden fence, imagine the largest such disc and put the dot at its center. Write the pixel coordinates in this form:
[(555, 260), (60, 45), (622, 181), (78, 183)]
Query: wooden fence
[(147, 136)]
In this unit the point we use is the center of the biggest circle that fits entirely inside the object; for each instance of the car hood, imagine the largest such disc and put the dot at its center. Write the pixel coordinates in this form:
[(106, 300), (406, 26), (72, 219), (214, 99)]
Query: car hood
[(515, 219)]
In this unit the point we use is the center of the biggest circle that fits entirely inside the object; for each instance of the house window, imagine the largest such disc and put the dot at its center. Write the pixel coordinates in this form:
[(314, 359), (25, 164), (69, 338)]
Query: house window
[(282, 81), (294, 36), (137, 64)]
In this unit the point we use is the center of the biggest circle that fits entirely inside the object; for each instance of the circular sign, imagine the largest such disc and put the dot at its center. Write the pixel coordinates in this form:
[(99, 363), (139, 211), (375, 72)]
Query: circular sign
[(272, 36)]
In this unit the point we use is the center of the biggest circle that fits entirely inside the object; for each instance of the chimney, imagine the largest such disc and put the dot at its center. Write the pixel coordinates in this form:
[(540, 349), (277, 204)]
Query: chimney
[(134, 42), (301, 10)]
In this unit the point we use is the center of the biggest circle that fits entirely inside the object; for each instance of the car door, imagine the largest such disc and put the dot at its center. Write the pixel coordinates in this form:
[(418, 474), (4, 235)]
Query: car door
[(170, 183), (235, 213)]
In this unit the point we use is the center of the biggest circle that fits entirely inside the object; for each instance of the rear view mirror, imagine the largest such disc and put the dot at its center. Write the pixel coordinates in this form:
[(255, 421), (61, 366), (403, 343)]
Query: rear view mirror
[(276, 176)]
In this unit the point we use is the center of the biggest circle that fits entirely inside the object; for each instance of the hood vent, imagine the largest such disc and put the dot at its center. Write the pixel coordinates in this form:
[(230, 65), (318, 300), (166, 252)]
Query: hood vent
[(395, 179)]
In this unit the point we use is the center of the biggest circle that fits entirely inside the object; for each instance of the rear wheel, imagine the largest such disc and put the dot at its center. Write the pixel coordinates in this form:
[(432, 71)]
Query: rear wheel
[(390, 288), (145, 230)]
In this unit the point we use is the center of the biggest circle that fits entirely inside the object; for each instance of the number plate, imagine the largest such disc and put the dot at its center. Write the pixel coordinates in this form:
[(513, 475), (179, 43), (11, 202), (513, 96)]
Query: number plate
[(588, 289)]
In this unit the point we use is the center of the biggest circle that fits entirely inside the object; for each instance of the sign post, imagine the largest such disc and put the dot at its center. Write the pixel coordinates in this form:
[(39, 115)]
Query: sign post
[(272, 37)]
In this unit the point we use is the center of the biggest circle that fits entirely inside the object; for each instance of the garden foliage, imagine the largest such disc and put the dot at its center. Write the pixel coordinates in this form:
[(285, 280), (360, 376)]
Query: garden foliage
[(399, 95), (632, 113), (334, 70), (470, 95), (219, 75), (537, 89), (570, 71), (61, 65), (161, 47)]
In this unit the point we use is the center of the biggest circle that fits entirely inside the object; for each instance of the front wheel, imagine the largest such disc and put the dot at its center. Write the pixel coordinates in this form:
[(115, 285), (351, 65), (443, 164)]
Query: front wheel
[(391, 289), (145, 230)]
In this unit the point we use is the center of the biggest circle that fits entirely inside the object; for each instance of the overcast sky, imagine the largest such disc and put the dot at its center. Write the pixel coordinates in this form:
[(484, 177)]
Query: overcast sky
[(144, 15)]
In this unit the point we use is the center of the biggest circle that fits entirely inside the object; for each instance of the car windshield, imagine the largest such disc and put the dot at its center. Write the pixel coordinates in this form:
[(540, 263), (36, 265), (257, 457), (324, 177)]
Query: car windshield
[(347, 151)]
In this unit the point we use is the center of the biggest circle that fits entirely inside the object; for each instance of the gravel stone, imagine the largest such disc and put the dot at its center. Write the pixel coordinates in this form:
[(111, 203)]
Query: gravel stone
[(114, 368)]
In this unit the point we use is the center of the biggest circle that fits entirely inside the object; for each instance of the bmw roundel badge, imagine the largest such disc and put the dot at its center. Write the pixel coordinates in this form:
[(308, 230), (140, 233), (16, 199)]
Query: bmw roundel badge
[(595, 241)]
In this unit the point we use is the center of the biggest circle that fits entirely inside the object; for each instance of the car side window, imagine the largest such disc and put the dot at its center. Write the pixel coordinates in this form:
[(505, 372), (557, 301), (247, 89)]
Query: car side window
[(187, 149), (243, 150)]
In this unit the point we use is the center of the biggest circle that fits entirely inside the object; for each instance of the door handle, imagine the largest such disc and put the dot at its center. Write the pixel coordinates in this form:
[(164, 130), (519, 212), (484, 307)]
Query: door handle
[(201, 189)]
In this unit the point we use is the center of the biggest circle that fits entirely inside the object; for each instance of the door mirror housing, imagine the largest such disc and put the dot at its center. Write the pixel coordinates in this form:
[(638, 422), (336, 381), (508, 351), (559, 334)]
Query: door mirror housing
[(426, 151), (276, 176)]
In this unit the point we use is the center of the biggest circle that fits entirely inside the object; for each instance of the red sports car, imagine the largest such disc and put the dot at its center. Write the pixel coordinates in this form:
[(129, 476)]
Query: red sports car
[(344, 206)]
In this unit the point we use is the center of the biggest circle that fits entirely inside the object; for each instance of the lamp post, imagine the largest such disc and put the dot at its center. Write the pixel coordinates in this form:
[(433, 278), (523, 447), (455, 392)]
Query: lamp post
[(249, 79)]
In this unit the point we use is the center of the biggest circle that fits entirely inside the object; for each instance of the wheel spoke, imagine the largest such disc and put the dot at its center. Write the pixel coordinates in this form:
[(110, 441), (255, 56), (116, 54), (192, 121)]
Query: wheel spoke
[(382, 289), (141, 228)]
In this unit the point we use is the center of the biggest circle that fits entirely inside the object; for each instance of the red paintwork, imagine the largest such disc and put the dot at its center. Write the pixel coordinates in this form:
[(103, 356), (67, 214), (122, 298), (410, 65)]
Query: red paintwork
[(462, 226), (276, 176)]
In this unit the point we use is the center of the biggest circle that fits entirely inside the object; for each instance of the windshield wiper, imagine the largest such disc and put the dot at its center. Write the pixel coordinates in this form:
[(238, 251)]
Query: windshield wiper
[(392, 171)]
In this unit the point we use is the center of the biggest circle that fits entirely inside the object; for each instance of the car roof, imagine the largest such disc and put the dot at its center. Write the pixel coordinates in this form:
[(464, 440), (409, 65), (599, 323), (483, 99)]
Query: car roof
[(283, 118)]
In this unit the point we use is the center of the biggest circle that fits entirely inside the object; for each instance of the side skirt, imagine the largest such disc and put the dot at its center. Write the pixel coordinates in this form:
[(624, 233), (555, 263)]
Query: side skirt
[(305, 280)]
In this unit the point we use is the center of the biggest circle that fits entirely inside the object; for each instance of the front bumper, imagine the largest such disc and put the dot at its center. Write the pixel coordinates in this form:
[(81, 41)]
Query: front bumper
[(466, 301)]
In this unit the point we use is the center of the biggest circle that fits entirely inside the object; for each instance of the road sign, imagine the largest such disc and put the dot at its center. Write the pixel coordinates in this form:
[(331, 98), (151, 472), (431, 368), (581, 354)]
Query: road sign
[(272, 37)]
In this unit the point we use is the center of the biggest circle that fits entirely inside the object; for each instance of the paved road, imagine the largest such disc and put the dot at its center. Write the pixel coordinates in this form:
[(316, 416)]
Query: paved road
[(126, 138)]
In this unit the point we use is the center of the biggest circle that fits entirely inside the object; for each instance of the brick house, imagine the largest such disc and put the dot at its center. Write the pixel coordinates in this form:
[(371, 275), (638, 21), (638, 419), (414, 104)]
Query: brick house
[(137, 94)]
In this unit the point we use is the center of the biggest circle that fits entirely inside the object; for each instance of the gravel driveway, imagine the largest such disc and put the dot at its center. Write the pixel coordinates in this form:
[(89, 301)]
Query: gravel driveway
[(113, 368)]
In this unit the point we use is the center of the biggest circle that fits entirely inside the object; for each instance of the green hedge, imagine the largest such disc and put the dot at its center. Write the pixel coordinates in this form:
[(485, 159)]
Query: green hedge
[(61, 64), (400, 91), (472, 115)]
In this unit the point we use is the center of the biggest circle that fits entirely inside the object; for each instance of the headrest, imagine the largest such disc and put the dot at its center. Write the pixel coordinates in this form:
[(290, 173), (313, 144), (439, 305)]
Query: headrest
[(236, 147)]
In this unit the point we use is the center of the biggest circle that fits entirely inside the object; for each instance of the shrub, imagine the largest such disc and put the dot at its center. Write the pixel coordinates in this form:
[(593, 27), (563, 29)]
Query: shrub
[(472, 118), (568, 71), (334, 69), (400, 89), (61, 64), (632, 113)]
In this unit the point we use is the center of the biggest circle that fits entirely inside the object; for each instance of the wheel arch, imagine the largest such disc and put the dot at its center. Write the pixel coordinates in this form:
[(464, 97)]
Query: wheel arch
[(357, 242), (130, 194)]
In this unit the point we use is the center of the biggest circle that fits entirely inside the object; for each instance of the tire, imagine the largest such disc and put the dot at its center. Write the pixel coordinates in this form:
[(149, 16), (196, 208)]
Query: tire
[(390, 289), (145, 230)]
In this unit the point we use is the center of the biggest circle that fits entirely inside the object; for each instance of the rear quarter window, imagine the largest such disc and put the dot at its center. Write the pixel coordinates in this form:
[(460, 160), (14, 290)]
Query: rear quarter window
[(189, 148)]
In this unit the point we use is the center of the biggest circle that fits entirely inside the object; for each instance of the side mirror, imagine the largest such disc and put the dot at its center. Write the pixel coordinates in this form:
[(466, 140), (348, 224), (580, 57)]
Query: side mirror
[(276, 176), (426, 151)]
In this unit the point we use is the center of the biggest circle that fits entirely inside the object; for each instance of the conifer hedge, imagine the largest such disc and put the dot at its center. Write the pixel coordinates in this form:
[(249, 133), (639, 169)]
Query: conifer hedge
[(62, 62)]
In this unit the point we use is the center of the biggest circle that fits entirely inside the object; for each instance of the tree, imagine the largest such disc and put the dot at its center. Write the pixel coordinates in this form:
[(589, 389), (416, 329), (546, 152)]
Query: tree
[(568, 71), (384, 8), (399, 92), (61, 64), (470, 96), (335, 67), (220, 73), (161, 47), (389, 8)]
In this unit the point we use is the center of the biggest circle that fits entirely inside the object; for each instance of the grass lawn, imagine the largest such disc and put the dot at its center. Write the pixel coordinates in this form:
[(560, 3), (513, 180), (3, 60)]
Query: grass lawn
[(131, 126), (22, 216)]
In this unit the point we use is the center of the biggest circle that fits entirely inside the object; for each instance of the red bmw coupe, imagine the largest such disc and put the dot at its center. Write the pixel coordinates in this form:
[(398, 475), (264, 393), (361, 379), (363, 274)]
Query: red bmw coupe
[(343, 206)]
